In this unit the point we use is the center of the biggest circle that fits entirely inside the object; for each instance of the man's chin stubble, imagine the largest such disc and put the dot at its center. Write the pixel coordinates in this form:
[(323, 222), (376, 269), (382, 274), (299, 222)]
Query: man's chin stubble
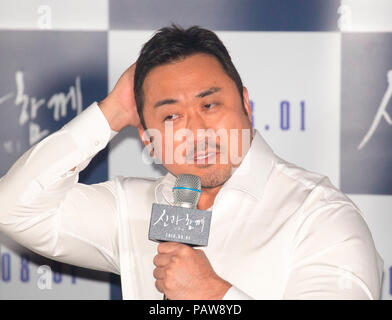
[(214, 180)]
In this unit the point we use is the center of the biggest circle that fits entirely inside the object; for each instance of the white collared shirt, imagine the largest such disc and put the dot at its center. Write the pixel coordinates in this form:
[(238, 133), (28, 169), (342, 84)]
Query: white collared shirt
[(277, 230)]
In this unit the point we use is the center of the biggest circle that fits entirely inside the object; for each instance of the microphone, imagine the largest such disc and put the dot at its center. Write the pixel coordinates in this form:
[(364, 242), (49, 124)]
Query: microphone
[(187, 191), (181, 222)]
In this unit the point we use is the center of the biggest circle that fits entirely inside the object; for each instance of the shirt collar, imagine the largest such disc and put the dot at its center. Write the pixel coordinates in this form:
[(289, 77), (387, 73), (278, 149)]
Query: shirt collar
[(249, 177)]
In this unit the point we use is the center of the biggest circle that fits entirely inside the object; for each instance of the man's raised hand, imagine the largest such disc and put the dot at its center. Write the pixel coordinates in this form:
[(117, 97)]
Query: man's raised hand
[(119, 107)]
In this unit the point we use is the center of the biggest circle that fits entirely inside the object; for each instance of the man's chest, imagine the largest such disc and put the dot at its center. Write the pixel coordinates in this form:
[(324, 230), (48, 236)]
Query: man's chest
[(244, 249)]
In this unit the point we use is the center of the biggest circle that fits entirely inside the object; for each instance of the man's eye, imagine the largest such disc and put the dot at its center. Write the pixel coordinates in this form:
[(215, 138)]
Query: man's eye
[(171, 117), (209, 105)]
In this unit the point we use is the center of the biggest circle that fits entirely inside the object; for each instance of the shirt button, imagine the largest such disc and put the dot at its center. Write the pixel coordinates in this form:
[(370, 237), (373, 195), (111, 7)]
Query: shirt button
[(96, 143)]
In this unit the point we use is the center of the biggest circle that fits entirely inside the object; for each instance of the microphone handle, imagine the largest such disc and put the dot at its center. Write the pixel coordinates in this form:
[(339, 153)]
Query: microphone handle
[(165, 298)]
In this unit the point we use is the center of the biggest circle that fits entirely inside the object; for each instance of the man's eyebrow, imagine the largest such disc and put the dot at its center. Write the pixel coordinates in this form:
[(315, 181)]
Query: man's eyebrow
[(165, 101), (207, 92), (199, 95)]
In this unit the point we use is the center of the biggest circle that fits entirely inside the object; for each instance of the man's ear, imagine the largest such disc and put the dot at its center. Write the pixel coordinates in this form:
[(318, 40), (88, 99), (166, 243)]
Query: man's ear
[(146, 139), (247, 103)]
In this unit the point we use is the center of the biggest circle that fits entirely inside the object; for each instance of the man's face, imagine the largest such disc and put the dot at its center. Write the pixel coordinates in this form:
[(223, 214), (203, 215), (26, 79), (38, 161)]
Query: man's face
[(185, 97)]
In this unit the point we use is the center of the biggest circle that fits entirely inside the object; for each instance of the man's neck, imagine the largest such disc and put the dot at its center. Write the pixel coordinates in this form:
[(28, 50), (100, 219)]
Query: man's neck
[(207, 197)]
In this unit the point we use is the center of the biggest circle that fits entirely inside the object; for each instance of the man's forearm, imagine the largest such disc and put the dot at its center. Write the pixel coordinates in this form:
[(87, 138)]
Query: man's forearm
[(37, 184)]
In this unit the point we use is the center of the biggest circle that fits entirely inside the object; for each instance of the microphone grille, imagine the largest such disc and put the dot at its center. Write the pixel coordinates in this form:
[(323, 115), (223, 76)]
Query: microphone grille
[(187, 190)]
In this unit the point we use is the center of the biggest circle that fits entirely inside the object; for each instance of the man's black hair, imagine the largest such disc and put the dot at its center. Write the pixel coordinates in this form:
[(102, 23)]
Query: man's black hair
[(174, 43)]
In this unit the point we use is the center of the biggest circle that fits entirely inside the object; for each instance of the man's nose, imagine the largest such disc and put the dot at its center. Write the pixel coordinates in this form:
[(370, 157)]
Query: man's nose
[(196, 121), (201, 130)]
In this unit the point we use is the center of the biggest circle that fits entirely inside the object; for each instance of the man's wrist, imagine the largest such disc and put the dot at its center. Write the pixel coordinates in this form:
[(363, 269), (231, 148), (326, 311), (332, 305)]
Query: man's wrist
[(90, 131), (221, 286), (115, 116)]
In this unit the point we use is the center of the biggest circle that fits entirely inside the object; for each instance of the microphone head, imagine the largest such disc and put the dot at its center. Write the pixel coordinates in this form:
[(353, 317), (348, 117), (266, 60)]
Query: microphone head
[(187, 190)]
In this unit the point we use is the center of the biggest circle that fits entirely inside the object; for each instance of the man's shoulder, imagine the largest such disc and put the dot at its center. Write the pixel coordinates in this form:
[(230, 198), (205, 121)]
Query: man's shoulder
[(313, 184), (321, 210)]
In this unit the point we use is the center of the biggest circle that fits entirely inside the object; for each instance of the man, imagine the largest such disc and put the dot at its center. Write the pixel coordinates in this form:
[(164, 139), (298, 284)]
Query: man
[(277, 231)]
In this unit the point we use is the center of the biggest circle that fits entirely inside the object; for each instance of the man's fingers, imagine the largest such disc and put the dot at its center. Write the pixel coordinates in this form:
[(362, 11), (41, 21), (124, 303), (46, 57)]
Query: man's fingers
[(166, 247), (159, 285), (162, 259), (159, 273)]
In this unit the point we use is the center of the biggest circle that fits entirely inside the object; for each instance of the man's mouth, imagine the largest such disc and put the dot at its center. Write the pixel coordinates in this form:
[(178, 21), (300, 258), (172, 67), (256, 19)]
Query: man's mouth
[(203, 156), (206, 158)]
